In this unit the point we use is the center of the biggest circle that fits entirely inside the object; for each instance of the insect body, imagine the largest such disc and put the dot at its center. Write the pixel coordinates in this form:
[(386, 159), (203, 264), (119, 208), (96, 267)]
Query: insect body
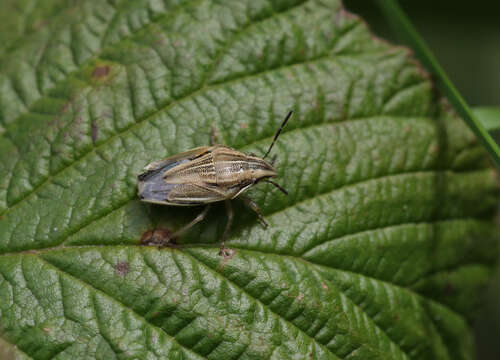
[(205, 175)]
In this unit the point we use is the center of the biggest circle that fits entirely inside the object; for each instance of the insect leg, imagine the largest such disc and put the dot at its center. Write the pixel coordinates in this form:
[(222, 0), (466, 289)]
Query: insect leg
[(273, 160), (214, 136), (196, 220), (253, 205), (229, 209)]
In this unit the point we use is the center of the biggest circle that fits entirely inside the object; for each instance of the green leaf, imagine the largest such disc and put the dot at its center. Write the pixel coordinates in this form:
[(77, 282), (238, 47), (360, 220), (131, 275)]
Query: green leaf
[(379, 251), (21, 18)]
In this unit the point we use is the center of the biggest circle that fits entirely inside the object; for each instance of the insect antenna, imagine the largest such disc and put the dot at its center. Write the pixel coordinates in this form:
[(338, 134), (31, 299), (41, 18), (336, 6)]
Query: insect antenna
[(277, 185), (278, 133), (273, 159)]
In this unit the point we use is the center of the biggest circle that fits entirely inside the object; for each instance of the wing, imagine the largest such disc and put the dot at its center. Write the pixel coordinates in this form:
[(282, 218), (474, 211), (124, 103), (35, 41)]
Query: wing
[(152, 187), (194, 194), (168, 163), (156, 191)]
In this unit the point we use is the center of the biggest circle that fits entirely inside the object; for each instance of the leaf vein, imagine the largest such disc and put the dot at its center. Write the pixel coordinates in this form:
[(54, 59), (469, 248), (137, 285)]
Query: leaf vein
[(217, 274), (98, 291), (165, 108)]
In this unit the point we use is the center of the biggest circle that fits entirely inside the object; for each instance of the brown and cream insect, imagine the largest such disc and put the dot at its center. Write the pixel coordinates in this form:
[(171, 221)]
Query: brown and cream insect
[(204, 175)]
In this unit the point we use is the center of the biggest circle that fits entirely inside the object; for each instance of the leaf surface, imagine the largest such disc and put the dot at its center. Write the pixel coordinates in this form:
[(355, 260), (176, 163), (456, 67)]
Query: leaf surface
[(379, 251)]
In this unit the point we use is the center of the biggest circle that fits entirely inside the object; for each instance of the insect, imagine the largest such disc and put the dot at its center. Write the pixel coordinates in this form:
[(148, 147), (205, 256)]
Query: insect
[(208, 174)]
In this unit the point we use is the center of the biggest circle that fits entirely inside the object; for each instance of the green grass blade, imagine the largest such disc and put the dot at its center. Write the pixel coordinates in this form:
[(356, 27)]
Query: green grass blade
[(400, 22)]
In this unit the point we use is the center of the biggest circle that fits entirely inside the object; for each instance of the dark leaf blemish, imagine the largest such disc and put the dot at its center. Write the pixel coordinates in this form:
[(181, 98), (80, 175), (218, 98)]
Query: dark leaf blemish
[(157, 237), (94, 131), (122, 268), (100, 71)]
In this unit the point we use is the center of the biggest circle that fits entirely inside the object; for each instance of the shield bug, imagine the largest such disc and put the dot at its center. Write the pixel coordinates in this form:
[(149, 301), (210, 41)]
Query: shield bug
[(207, 174)]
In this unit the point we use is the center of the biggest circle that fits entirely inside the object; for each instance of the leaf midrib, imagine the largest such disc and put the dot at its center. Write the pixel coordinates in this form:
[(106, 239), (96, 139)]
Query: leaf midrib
[(307, 199), (215, 246)]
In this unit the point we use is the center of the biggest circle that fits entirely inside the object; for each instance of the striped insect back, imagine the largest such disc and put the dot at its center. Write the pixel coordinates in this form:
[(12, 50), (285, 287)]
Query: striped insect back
[(237, 170), (205, 175), (199, 170), (231, 167)]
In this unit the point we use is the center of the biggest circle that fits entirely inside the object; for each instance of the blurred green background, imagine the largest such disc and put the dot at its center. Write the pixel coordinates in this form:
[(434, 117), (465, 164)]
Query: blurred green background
[(465, 37)]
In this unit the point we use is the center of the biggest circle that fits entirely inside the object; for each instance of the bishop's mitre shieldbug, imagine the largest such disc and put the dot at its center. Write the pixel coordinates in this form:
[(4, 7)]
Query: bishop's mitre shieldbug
[(204, 175)]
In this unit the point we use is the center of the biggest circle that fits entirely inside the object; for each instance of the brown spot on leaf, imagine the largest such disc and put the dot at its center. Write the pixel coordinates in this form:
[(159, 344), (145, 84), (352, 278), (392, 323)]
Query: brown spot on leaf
[(122, 268), (228, 254), (100, 71), (94, 131), (158, 237)]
